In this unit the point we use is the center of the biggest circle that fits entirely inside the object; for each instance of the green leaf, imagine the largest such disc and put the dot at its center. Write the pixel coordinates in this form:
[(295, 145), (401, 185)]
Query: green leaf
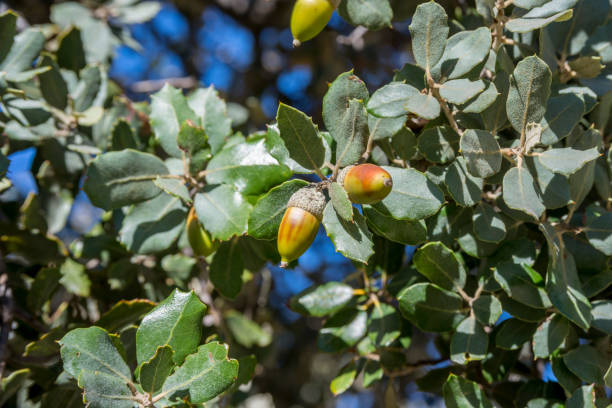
[(529, 92), (8, 28), (344, 379), (267, 214), (400, 231), (12, 383), (385, 128), (465, 189), (26, 47), (583, 397), (139, 13), (336, 102), (212, 112), (222, 211), (489, 226), (71, 54), (469, 342), (175, 188), (522, 284), (90, 356), (460, 91), (565, 290), (440, 265), (123, 137), (245, 331), (373, 14), (351, 239), (91, 90), (494, 117), (462, 393), (482, 153), (204, 375), (513, 333), (372, 373), (4, 164), (248, 166), (439, 144), (404, 144), (429, 30), (301, 137), (124, 313), (601, 312), (352, 134), (567, 160), (563, 112), (52, 84), (521, 193), (169, 109), (191, 138), (226, 269), (342, 330), (176, 321), (487, 309), (117, 179), (599, 231), (549, 336), (587, 363), (322, 300), (341, 202), (413, 196), (528, 23), (554, 187), (43, 286), (430, 307), (384, 325), (412, 75), (74, 278), (153, 373), (397, 99), (464, 51), (154, 225), (483, 100), (566, 378)]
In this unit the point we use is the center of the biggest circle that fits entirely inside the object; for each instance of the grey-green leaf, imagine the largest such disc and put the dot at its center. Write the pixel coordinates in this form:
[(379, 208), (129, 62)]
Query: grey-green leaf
[(373, 14), (587, 363), (469, 342), (322, 300), (396, 99), (440, 265), (599, 231), (153, 373), (482, 153), (464, 51), (176, 321), (462, 393), (301, 137), (439, 144), (204, 375), (384, 325), (487, 309), (488, 224), (341, 202), (352, 134), (223, 211), (212, 111), (521, 193), (413, 197), (401, 231), (465, 188), (122, 178), (267, 213), (514, 333), (529, 92), (336, 101), (352, 239), (430, 307), (563, 112), (567, 160), (429, 30), (549, 336), (460, 91), (24, 50)]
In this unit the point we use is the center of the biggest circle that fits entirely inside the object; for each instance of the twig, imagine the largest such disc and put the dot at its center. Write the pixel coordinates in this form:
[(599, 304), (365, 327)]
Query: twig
[(435, 91), (354, 39)]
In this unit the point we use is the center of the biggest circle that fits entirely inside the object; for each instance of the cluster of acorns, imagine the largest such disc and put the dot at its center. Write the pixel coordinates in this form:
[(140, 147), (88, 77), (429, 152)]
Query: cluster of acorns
[(364, 184), (309, 18)]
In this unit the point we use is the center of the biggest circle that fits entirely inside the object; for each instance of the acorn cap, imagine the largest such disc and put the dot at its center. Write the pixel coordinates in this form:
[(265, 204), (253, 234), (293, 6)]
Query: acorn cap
[(342, 174), (309, 199)]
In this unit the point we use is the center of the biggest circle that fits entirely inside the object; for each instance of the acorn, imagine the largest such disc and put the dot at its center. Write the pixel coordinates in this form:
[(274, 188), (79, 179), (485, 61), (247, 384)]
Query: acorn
[(365, 183), (199, 239), (309, 18), (300, 224)]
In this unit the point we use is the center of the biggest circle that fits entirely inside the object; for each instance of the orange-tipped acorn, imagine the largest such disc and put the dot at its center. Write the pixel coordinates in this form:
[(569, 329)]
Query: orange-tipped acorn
[(199, 239), (365, 183), (300, 224), (309, 18)]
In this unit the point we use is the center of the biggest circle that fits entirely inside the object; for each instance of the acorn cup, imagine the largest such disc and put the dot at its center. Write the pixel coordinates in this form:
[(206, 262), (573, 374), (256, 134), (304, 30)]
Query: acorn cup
[(300, 224), (365, 183), (199, 239), (309, 18)]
